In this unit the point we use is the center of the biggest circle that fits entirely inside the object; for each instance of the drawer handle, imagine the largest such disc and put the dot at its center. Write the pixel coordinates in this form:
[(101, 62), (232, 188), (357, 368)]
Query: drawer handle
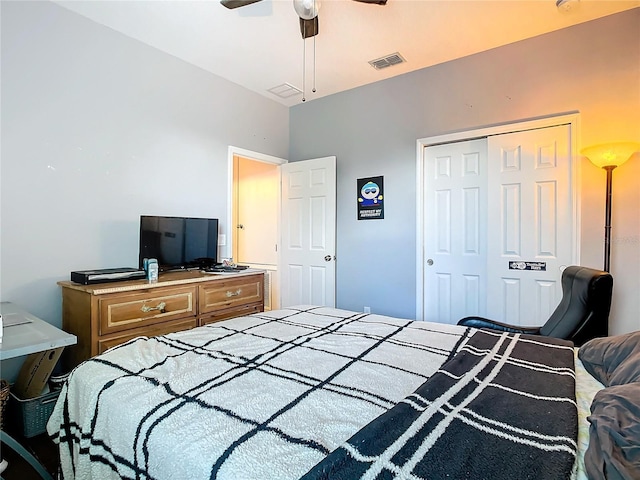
[(234, 294), (160, 307)]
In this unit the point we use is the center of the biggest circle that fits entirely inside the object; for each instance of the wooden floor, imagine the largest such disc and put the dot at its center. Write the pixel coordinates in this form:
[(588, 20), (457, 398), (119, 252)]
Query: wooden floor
[(41, 447)]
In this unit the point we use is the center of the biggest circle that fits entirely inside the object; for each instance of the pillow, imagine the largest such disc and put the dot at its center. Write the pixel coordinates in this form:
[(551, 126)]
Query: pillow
[(614, 434), (613, 360)]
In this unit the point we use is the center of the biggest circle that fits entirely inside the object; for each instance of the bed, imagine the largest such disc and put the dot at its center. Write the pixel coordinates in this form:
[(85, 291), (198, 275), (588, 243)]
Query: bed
[(320, 393)]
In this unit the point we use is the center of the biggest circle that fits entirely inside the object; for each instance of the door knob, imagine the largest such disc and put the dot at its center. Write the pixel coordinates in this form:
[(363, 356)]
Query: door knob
[(240, 226), (430, 262), (327, 258)]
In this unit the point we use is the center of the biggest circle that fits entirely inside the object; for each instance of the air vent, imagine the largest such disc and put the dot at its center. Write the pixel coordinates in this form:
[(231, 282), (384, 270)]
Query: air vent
[(388, 61), (285, 90)]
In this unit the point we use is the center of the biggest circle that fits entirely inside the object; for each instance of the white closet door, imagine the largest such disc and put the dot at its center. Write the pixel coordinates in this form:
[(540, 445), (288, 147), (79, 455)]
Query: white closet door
[(530, 220), (455, 233)]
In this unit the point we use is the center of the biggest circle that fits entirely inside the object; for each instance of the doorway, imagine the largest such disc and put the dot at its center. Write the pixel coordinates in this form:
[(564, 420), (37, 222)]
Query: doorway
[(304, 272), (511, 186), (254, 206)]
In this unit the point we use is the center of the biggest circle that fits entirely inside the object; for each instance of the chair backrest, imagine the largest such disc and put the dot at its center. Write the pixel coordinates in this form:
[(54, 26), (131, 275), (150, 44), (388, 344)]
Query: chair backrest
[(583, 312)]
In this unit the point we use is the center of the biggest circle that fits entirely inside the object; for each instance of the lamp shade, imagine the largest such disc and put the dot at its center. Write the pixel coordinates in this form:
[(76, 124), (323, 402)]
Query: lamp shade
[(610, 154), (307, 9)]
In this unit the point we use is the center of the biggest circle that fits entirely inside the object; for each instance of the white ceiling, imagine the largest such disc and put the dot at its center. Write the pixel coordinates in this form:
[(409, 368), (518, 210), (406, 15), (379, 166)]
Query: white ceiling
[(259, 46)]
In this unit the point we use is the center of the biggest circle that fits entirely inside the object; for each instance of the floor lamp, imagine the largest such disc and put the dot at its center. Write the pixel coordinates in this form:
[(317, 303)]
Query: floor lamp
[(609, 156)]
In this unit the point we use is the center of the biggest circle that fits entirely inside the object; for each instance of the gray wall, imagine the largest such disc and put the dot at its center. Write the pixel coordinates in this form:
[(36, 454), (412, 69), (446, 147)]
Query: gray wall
[(593, 68), (98, 128)]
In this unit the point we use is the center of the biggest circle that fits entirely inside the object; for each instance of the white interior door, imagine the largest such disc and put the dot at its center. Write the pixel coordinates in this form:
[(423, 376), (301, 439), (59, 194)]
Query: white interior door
[(455, 209), (308, 230), (530, 222)]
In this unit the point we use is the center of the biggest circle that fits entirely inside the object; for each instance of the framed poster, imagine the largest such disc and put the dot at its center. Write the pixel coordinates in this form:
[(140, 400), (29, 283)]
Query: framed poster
[(370, 198)]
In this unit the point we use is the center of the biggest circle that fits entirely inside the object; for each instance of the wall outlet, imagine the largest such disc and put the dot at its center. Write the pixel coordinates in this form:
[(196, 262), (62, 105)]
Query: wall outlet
[(367, 309)]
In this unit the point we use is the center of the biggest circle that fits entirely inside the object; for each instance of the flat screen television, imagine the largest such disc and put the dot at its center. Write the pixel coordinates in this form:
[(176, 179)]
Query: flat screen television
[(179, 243)]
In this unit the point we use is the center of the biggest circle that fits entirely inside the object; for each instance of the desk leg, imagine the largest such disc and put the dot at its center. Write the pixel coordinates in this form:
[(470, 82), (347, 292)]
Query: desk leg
[(20, 450)]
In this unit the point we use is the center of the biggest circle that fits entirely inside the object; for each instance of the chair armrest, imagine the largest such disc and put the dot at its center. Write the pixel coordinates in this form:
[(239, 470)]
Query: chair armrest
[(480, 322)]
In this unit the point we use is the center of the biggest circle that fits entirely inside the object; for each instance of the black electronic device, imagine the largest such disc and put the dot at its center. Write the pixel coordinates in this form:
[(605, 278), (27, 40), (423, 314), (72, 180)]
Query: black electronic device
[(179, 243), (105, 275), (224, 269)]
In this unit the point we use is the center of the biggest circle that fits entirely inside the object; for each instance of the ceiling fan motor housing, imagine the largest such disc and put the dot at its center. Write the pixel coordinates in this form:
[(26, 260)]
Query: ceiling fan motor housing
[(309, 28)]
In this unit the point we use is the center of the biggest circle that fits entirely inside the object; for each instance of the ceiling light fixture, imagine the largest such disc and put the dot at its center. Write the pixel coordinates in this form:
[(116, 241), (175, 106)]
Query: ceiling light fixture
[(307, 9)]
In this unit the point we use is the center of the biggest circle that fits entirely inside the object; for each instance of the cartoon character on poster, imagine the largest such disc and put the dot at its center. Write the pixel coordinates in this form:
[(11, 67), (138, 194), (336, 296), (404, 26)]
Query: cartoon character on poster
[(370, 198), (370, 194)]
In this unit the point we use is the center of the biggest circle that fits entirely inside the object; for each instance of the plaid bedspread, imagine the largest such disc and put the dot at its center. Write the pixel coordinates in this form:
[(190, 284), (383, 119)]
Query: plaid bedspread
[(266, 396), (502, 408)]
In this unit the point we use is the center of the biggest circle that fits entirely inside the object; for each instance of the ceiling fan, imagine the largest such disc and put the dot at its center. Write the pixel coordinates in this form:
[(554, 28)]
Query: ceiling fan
[(307, 10)]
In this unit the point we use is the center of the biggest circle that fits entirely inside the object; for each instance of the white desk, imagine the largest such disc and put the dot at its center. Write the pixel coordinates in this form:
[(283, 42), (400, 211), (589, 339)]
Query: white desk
[(30, 334), (23, 334)]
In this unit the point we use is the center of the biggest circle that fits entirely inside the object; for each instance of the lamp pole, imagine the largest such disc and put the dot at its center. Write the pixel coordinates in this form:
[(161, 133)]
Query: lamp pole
[(607, 215), (609, 156)]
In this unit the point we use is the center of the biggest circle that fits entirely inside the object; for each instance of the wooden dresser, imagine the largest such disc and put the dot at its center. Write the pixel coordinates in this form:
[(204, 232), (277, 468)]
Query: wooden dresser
[(107, 314)]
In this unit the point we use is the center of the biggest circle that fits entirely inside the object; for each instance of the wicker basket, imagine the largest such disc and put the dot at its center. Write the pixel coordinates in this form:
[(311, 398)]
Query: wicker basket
[(4, 398), (31, 415)]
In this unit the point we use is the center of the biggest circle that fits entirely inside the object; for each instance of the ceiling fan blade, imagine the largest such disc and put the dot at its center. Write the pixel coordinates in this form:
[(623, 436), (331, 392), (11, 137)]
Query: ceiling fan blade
[(237, 3), (377, 2), (309, 28)]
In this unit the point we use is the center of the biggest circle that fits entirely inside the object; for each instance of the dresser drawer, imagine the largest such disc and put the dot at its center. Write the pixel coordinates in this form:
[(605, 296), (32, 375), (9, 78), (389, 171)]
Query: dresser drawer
[(160, 329), (225, 294), (231, 313), (149, 307)]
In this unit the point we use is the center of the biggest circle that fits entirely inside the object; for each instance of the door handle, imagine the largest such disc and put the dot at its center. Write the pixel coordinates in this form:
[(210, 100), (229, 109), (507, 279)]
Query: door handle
[(328, 258), (429, 262), (241, 226)]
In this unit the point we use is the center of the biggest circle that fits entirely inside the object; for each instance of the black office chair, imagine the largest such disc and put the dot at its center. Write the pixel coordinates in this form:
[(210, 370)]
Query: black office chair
[(583, 312)]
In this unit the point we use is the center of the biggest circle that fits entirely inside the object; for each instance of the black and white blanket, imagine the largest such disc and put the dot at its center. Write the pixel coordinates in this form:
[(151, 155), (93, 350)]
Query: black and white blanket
[(271, 395), (260, 397), (503, 408)]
